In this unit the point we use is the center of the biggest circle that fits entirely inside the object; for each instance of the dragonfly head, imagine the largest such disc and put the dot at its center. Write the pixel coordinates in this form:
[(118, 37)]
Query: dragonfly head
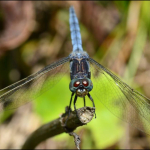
[(81, 86)]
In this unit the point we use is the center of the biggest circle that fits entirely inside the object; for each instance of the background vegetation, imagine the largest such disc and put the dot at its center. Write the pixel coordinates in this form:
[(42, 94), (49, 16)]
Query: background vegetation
[(35, 34)]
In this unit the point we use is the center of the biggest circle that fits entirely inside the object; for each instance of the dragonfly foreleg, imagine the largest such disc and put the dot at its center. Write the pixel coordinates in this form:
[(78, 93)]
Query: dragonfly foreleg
[(90, 97), (70, 102), (69, 109), (84, 101), (75, 99)]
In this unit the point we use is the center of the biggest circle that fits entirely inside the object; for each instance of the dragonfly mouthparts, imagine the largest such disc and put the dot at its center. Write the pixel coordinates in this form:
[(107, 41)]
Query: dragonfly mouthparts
[(81, 92)]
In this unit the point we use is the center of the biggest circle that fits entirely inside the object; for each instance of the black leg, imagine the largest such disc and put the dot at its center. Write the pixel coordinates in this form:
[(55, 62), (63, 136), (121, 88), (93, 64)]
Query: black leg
[(69, 110), (90, 97), (75, 99), (84, 101), (70, 102)]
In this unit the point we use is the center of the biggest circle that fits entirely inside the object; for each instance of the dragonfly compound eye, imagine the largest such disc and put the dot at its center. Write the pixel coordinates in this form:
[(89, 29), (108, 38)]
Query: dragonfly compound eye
[(76, 84), (85, 83)]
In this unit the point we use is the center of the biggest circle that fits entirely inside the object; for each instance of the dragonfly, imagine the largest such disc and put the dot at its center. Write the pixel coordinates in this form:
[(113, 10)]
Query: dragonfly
[(86, 76)]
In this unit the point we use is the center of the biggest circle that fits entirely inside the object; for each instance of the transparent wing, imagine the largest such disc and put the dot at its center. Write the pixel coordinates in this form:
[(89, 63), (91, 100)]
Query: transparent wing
[(34, 85), (123, 101)]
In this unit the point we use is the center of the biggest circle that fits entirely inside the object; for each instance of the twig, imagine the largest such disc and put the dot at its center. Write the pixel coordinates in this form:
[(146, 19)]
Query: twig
[(76, 139), (57, 127)]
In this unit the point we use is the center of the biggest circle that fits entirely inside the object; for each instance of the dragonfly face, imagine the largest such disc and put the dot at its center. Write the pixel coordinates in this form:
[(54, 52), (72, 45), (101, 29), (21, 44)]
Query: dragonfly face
[(81, 86)]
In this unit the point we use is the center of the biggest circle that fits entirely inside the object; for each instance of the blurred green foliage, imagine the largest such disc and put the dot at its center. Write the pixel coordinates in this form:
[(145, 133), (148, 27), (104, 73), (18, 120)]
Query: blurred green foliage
[(106, 129)]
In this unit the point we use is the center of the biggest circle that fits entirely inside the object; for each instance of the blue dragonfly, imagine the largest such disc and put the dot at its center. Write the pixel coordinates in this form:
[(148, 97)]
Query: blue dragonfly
[(87, 76)]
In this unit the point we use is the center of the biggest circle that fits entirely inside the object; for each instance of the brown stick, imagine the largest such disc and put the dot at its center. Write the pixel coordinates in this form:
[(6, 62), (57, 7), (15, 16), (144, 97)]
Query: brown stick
[(57, 126)]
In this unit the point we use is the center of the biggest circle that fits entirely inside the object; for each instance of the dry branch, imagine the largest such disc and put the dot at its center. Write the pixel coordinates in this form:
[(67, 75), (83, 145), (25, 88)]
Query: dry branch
[(56, 127)]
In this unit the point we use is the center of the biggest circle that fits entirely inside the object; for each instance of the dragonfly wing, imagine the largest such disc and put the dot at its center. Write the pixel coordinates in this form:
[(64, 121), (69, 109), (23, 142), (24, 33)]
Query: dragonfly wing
[(123, 101), (33, 86)]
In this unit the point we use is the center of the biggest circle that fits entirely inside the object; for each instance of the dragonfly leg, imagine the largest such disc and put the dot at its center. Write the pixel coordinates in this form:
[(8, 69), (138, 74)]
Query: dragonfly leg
[(90, 97), (69, 109), (84, 101), (70, 102), (75, 99)]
